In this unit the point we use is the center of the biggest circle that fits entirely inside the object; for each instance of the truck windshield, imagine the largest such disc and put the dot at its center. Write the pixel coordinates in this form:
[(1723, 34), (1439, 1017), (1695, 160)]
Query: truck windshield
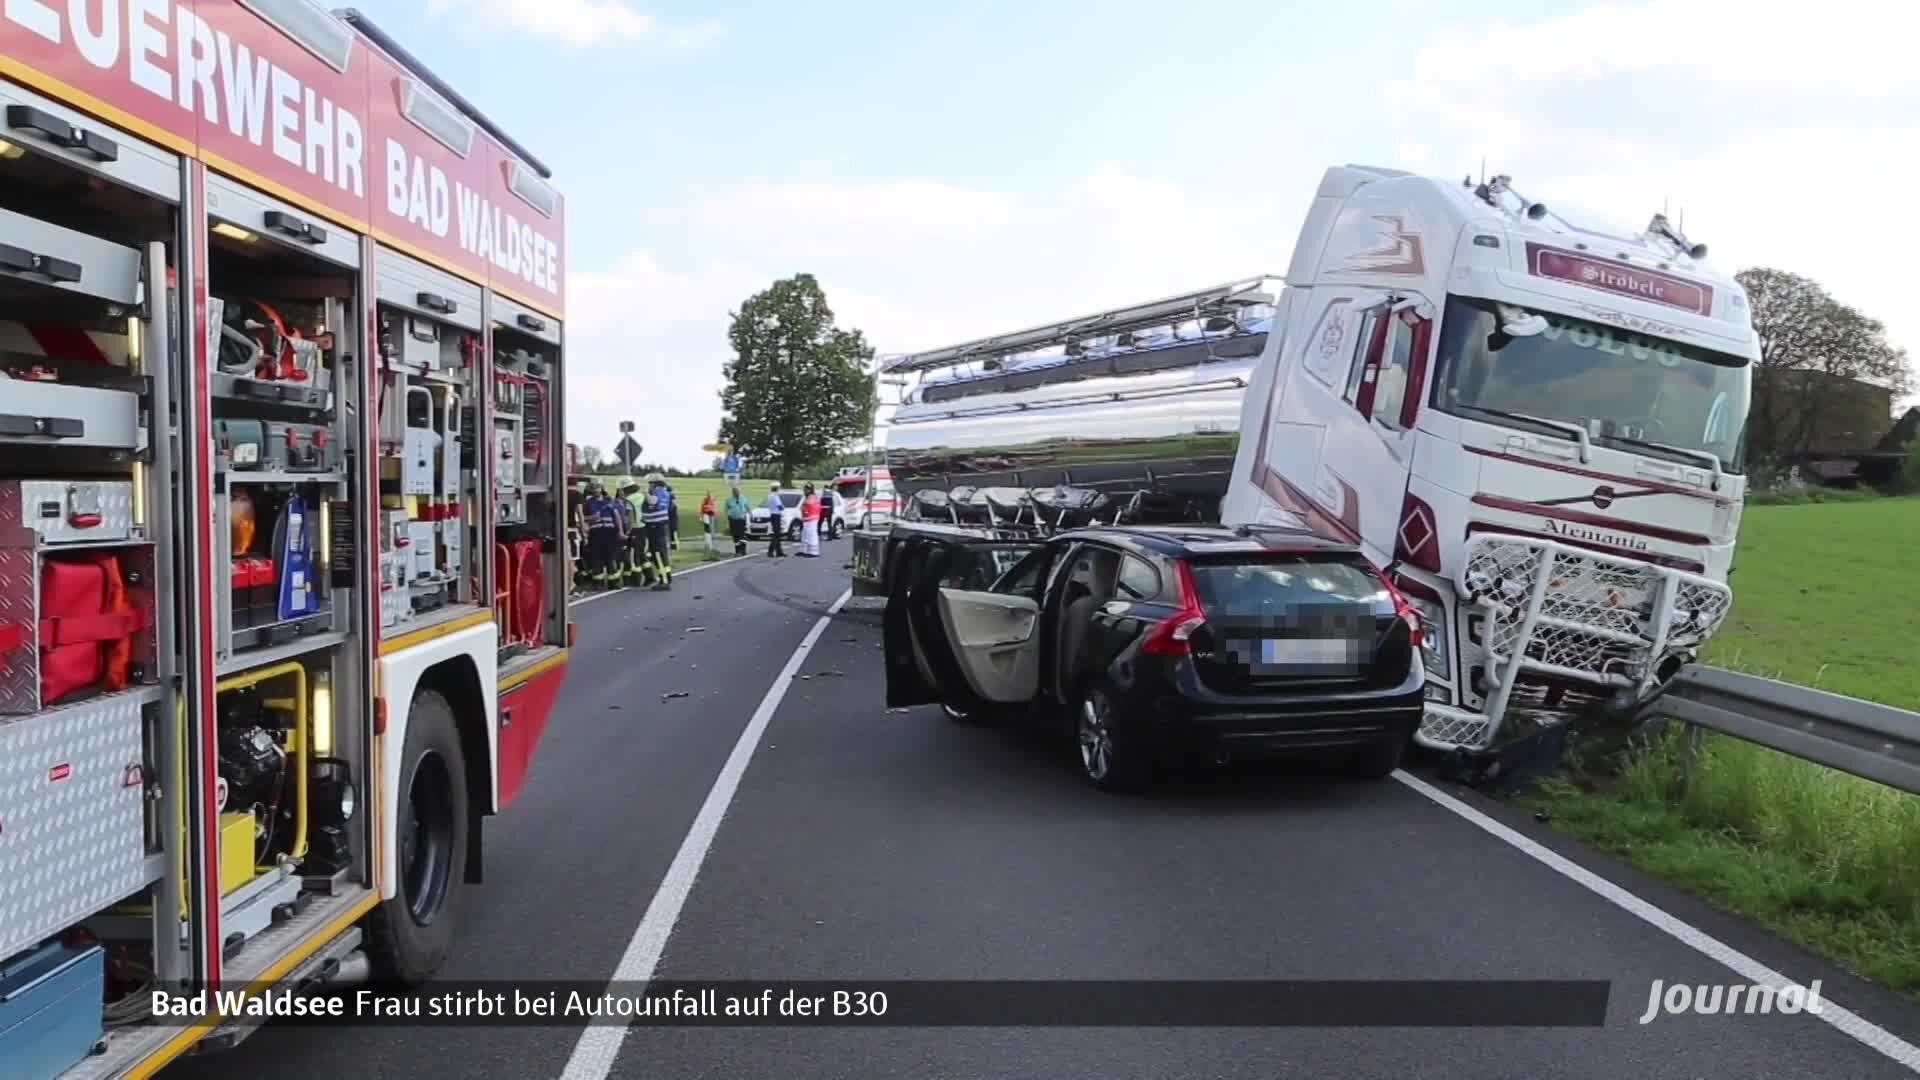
[(1630, 391)]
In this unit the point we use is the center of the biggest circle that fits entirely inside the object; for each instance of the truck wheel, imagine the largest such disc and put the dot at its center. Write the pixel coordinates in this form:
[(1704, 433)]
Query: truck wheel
[(410, 936)]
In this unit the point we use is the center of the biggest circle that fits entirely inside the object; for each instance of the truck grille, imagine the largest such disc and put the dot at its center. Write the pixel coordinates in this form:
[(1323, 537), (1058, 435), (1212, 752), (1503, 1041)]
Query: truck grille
[(1536, 608)]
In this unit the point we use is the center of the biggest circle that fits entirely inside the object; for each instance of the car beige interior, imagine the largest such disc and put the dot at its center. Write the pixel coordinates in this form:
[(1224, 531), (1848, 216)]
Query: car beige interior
[(1089, 584), (994, 642)]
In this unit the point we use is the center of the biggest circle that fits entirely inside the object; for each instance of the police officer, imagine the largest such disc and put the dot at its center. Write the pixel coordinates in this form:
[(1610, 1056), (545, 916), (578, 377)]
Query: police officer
[(656, 512)]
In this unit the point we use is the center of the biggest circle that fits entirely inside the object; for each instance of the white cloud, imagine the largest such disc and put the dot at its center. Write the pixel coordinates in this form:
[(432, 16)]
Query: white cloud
[(912, 263), (1774, 128), (1771, 127), (647, 345), (580, 22)]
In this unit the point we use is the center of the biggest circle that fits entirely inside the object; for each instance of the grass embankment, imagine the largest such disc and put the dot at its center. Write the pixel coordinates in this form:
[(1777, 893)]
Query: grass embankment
[(1824, 595)]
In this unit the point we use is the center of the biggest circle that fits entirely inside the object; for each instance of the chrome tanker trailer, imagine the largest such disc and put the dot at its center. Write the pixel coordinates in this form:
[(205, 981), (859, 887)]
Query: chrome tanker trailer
[(1127, 415)]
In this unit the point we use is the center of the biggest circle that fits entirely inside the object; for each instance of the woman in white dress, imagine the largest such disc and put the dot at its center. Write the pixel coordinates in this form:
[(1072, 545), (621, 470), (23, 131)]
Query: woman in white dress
[(810, 523)]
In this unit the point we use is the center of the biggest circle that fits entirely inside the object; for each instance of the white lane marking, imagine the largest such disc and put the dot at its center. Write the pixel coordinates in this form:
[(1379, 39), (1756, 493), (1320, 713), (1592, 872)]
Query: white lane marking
[(577, 601), (593, 1056), (1852, 1024)]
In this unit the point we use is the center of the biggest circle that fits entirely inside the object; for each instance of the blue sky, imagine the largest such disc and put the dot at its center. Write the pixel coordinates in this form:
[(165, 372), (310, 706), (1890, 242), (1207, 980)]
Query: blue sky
[(956, 170)]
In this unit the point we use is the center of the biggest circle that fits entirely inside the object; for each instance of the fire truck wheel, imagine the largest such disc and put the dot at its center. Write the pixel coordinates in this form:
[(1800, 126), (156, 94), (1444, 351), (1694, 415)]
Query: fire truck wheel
[(409, 936)]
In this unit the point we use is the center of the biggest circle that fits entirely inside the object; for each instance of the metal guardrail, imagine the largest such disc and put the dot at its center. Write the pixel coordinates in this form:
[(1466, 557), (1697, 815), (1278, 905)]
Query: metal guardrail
[(1870, 740)]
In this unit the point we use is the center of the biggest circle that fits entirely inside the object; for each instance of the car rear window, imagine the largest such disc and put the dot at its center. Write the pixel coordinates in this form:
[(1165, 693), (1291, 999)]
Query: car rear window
[(791, 498), (1254, 588)]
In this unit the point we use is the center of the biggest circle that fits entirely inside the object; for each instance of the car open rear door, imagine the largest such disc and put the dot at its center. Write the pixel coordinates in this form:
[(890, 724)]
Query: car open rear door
[(960, 629), (993, 639)]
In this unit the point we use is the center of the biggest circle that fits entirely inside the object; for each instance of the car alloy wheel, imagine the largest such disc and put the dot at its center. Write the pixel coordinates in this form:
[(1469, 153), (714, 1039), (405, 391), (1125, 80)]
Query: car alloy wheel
[(1096, 739)]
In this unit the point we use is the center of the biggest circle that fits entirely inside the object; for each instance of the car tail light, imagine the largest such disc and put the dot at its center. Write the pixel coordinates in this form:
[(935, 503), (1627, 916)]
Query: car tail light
[(1402, 607), (1171, 636)]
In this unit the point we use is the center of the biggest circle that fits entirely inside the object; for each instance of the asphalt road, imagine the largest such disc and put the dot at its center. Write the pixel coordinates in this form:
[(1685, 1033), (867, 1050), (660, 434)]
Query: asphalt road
[(864, 844)]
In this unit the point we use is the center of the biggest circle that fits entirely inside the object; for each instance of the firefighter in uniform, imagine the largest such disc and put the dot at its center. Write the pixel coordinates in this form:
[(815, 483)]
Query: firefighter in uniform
[(656, 512), (603, 537), (638, 571)]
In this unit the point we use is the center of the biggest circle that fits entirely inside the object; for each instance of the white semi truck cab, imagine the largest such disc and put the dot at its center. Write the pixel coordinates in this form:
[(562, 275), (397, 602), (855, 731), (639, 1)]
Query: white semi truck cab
[(1536, 427), (1539, 427)]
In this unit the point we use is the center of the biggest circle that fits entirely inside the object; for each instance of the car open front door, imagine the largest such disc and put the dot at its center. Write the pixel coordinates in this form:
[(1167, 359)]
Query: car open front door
[(962, 623)]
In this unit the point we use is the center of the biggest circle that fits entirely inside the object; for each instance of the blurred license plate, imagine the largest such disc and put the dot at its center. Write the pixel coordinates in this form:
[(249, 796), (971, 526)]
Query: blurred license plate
[(1313, 652)]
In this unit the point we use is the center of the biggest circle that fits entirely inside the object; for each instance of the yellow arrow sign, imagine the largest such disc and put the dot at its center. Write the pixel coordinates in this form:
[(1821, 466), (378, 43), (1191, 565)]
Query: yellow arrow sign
[(716, 448)]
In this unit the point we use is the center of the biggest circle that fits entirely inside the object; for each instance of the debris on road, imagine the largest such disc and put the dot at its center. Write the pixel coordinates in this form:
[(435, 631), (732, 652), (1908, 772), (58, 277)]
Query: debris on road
[(696, 629), (671, 694)]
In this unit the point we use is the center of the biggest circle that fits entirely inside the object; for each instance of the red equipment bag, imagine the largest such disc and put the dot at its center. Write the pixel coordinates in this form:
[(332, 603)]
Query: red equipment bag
[(87, 623)]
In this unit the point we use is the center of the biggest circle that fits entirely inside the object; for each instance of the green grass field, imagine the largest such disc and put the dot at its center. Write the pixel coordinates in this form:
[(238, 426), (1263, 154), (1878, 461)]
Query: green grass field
[(1828, 595), (1825, 595)]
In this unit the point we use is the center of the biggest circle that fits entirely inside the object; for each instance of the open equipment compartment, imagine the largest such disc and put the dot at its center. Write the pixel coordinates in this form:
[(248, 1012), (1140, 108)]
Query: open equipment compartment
[(530, 493), (283, 301), (431, 347), (89, 719), (284, 324)]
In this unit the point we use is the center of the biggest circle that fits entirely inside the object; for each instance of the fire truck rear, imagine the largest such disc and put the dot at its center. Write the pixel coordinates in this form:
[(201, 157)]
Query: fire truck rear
[(282, 599)]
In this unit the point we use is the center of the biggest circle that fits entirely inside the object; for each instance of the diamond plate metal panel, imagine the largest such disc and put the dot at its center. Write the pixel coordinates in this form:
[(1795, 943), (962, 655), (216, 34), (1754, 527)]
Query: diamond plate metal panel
[(72, 837), (48, 508), (20, 606)]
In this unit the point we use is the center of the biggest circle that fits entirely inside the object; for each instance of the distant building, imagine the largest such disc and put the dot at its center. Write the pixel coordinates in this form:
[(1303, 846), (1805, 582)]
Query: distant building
[(1900, 439), (1855, 439), (1851, 417)]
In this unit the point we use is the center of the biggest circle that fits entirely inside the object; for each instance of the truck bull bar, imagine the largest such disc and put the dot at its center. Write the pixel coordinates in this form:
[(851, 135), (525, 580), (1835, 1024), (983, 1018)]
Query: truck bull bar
[(1543, 609)]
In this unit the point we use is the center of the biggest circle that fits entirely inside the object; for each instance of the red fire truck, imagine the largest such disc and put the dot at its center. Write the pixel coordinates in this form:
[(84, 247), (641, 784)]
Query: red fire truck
[(282, 511)]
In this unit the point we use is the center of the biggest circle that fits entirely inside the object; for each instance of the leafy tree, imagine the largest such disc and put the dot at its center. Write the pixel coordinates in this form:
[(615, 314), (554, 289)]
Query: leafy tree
[(591, 457), (798, 386), (1810, 344)]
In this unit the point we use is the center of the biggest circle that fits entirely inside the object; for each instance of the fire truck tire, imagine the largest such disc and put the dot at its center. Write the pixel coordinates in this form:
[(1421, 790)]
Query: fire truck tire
[(410, 935)]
